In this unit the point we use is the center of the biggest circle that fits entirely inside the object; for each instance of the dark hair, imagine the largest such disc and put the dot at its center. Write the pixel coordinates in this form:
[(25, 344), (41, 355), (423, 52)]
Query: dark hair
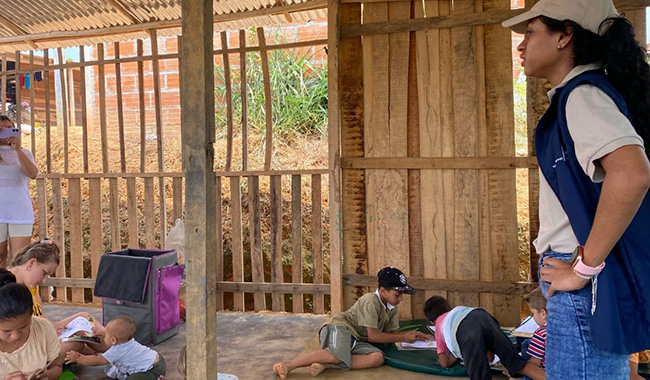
[(624, 63), (45, 251), (435, 307), (536, 300), (15, 299)]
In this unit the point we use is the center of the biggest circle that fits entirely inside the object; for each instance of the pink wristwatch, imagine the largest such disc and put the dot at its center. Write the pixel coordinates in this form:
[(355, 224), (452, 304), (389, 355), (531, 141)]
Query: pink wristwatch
[(583, 270)]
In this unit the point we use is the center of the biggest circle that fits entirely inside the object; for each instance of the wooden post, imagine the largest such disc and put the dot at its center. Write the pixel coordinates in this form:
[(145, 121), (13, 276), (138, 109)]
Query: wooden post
[(296, 239), (244, 101), (255, 233), (228, 85), (143, 110), (277, 271), (18, 88), (76, 236), (200, 187), (3, 90), (268, 101), (95, 221), (334, 155), (120, 107), (63, 116), (32, 105), (48, 134), (84, 113), (346, 115), (155, 63)]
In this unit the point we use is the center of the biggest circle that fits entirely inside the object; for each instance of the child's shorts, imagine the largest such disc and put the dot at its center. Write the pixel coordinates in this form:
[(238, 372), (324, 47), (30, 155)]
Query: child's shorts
[(338, 341), (15, 230)]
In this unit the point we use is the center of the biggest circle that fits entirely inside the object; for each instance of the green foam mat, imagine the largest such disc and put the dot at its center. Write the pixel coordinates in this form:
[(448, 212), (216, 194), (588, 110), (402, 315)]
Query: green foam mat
[(67, 375), (423, 361)]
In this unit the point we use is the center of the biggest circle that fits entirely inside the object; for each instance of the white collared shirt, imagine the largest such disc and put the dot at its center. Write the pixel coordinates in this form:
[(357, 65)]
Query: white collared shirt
[(388, 306), (597, 128)]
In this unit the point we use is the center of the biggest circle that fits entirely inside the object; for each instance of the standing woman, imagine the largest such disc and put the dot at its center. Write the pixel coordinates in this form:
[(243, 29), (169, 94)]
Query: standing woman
[(16, 213), (594, 180), (26, 344)]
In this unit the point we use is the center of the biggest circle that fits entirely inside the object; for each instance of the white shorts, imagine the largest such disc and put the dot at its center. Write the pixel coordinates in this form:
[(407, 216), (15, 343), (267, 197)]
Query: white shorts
[(15, 230)]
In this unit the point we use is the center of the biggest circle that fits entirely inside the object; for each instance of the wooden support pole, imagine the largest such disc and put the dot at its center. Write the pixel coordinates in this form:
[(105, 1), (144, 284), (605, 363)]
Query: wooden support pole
[(268, 101), (102, 105), (64, 110), (277, 270), (244, 101), (142, 108), (228, 85), (32, 105), (3, 90), (84, 113), (200, 187), (18, 91), (334, 154), (255, 233), (296, 239), (120, 106), (155, 63), (48, 132)]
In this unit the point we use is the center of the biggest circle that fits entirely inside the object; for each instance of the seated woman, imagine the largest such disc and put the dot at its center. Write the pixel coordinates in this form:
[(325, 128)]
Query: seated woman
[(32, 266), (27, 344)]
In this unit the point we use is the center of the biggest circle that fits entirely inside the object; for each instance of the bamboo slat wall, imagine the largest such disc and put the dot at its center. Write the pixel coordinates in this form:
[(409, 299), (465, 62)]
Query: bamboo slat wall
[(93, 201), (427, 150)]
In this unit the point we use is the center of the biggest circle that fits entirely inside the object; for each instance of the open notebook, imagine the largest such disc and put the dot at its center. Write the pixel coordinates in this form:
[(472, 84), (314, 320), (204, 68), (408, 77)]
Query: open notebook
[(526, 328)]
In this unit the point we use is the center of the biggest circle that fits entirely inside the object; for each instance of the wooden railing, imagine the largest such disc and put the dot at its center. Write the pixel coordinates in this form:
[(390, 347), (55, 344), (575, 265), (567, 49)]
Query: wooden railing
[(271, 243)]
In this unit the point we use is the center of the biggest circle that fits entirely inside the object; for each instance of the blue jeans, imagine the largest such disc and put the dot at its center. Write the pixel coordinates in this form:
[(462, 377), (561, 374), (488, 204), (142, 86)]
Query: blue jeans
[(569, 351)]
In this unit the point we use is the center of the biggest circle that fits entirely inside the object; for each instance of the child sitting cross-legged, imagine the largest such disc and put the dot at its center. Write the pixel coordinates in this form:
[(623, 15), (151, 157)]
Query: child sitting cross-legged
[(471, 334), (345, 341), (129, 359)]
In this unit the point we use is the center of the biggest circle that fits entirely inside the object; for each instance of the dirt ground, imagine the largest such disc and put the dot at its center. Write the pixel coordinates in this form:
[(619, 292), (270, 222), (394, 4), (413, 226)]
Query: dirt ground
[(248, 344)]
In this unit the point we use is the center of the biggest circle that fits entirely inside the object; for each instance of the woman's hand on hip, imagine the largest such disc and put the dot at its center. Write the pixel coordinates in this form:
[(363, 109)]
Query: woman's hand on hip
[(561, 276)]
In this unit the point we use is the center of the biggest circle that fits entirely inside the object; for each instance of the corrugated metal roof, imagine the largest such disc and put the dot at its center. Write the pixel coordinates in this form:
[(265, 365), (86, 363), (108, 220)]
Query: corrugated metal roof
[(39, 24)]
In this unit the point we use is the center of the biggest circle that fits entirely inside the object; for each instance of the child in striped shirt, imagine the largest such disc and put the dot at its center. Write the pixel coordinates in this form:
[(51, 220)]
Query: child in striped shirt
[(537, 347)]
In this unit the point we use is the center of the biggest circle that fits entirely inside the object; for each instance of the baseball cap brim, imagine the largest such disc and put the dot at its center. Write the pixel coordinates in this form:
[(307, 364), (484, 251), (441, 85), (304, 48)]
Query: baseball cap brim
[(519, 23), (406, 289)]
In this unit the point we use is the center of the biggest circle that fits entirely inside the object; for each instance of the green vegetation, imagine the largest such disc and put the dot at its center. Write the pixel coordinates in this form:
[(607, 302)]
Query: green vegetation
[(298, 88)]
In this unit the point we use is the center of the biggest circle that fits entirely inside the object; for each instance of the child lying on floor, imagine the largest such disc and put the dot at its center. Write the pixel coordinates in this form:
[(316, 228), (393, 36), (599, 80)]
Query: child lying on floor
[(471, 334), (129, 359), (345, 341)]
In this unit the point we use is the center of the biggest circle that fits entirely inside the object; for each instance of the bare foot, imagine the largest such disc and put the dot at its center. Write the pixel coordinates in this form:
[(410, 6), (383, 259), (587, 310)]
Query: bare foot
[(281, 369), (316, 368)]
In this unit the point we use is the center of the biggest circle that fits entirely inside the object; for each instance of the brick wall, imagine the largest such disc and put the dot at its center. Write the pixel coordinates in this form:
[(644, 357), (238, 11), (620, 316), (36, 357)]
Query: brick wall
[(169, 78)]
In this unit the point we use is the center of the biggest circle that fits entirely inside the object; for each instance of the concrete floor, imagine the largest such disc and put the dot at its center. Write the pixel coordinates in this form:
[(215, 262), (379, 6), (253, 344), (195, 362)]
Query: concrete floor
[(248, 344)]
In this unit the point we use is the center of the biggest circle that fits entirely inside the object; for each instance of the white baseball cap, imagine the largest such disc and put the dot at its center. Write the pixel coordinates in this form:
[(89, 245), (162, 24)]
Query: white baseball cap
[(587, 13)]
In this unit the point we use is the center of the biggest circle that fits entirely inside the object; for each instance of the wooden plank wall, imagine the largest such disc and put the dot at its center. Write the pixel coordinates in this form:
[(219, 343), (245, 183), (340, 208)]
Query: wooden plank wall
[(432, 171)]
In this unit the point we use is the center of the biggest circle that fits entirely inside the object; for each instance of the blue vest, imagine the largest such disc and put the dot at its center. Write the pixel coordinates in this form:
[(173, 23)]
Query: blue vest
[(621, 323)]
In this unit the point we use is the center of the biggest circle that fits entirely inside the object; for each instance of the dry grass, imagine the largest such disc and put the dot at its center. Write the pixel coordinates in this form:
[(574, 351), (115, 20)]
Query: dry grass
[(291, 152)]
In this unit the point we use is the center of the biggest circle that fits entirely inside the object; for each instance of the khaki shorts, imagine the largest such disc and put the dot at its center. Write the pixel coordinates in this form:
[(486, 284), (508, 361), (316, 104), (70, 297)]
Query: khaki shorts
[(338, 341), (15, 230)]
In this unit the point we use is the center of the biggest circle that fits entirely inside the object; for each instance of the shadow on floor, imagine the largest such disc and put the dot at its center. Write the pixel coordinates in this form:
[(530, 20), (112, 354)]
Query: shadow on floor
[(248, 344)]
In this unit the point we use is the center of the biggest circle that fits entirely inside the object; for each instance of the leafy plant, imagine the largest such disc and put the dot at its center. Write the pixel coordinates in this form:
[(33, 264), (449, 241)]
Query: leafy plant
[(298, 92)]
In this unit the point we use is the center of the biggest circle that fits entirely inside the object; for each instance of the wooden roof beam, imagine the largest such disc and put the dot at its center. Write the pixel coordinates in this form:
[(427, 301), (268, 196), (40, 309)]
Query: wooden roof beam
[(17, 30), (123, 10), (287, 16), (166, 24)]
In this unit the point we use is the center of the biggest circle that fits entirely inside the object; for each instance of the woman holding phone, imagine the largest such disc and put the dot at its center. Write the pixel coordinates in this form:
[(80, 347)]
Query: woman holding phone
[(29, 346), (16, 214)]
